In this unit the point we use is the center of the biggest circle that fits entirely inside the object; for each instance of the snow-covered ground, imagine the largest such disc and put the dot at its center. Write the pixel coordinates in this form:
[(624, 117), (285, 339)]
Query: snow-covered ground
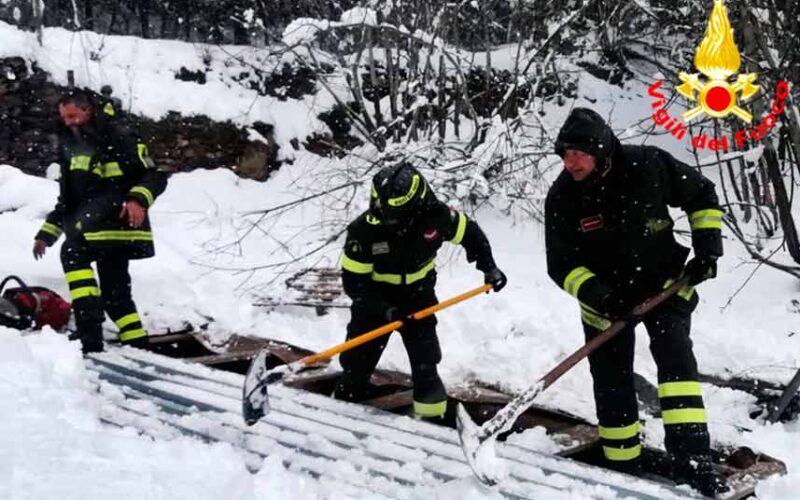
[(52, 439)]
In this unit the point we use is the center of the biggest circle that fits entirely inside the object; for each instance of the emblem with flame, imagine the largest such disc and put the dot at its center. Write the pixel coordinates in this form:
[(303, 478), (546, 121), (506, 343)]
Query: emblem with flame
[(717, 58)]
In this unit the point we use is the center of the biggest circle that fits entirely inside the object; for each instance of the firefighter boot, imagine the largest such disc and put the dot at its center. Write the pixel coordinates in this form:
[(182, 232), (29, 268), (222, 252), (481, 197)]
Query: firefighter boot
[(90, 335), (430, 396), (697, 471), (351, 386)]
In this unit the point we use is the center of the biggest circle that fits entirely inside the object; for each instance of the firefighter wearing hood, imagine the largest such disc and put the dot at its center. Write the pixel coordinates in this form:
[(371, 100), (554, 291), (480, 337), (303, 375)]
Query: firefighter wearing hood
[(611, 245)]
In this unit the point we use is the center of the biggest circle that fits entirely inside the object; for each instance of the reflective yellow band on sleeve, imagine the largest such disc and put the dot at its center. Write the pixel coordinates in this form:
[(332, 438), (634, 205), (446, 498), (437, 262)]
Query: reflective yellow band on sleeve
[(144, 156), (626, 432), (593, 319), (622, 454), (144, 192), (684, 416), (132, 334), (51, 229), (397, 279), (674, 389), (372, 220), (119, 236), (111, 169), (355, 266), (430, 409), (127, 320), (706, 219), (109, 109), (84, 291), (685, 293), (80, 274), (460, 230), (80, 162), (576, 278)]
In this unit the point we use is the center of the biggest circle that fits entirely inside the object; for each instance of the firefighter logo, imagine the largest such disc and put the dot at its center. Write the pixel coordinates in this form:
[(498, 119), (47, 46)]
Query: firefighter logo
[(718, 59)]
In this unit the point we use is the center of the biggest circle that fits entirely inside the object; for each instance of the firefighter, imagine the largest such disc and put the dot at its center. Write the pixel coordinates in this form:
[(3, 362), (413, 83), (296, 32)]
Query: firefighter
[(388, 270), (610, 244), (108, 182)]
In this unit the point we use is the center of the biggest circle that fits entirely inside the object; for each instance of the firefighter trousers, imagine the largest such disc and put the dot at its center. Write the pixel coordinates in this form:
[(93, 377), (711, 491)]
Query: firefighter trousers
[(89, 303), (421, 344), (682, 409)]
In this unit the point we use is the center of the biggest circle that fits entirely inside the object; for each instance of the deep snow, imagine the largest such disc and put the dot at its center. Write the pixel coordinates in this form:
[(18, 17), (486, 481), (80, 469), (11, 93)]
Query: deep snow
[(52, 440)]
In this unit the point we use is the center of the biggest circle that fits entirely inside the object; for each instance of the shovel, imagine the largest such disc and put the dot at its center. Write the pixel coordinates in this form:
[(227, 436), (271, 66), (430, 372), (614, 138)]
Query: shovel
[(255, 399), (478, 442)]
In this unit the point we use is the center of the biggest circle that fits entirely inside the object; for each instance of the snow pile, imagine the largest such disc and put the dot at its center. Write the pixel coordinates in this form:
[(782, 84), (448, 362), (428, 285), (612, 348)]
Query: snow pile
[(204, 269), (142, 74), (57, 447)]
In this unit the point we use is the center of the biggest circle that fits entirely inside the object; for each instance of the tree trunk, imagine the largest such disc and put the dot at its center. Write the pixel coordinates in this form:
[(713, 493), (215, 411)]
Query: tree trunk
[(144, 18), (782, 201)]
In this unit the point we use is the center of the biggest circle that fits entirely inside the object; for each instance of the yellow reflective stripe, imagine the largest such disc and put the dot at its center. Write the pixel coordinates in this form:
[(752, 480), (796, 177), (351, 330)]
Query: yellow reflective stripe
[(373, 220), (80, 274), (144, 192), (430, 409), (111, 169), (626, 432), (460, 230), (594, 320), (673, 389), (84, 291), (144, 156), (622, 454), (119, 236), (684, 416), (706, 219), (373, 193), (127, 320), (132, 334), (402, 200), (685, 293), (397, 279), (80, 162), (109, 109), (355, 266), (107, 170), (51, 229), (576, 278)]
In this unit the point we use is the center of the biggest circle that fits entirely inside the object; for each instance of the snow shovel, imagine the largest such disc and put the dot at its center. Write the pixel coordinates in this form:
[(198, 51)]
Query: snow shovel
[(478, 442), (255, 401)]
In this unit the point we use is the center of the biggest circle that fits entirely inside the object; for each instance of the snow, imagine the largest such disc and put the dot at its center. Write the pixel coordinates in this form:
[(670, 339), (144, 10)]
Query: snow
[(51, 427)]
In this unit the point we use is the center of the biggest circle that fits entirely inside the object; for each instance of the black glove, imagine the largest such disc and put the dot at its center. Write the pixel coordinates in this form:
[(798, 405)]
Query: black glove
[(617, 308), (496, 278), (700, 268)]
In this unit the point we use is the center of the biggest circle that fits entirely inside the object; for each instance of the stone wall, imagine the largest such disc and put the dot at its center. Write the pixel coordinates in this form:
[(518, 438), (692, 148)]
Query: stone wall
[(28, 121)]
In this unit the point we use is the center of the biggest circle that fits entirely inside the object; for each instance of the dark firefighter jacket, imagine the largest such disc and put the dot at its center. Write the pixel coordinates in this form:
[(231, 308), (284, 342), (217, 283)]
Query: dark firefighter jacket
[(614, 232), (98, 173), (383, 267)]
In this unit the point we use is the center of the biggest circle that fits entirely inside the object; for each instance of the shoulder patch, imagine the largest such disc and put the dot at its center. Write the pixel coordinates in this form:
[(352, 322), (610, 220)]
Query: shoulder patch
[(354, 247)]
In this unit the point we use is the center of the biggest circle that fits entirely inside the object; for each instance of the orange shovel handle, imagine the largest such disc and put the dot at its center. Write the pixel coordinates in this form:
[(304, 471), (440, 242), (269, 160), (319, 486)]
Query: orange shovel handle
[(389, 327)]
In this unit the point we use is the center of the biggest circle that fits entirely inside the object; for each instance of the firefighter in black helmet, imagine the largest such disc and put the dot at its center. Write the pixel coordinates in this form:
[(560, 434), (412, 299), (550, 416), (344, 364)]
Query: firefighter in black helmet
[(388, 270)]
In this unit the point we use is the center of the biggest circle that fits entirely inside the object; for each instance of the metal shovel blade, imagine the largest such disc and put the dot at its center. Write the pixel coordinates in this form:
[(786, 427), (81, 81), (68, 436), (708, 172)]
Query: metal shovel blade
[(255, 400), (470, 436)]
